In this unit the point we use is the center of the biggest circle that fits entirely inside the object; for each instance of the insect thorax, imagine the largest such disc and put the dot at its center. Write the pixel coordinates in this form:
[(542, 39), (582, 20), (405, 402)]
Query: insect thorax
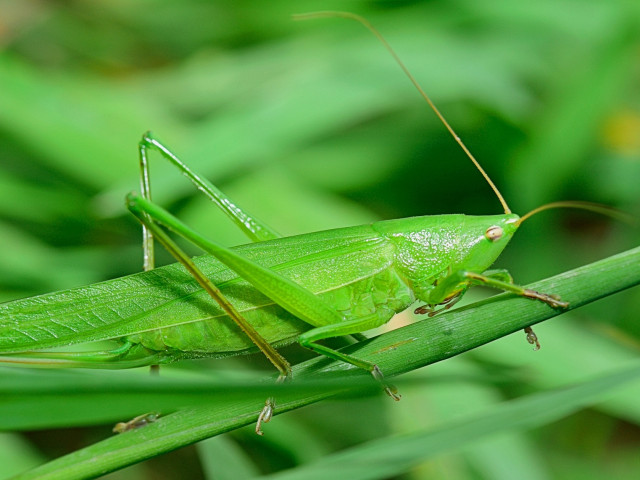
[(432, 247)]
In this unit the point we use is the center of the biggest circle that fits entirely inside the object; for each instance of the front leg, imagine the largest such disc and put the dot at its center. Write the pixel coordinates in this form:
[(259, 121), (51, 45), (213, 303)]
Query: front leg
[(460, 280), (450, 289)]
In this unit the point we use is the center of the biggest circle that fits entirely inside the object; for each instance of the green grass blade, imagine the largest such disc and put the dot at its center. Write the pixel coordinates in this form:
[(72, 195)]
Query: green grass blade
[(459, 388), (16, 455), (393, 456), (396, 352), (223, 459), (594, 349)]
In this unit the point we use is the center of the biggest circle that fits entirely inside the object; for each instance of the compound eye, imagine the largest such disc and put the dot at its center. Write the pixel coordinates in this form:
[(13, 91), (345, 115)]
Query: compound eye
[(493, 233)]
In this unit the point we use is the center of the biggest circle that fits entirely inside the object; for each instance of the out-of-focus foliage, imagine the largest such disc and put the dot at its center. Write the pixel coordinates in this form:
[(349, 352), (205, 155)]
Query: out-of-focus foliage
[(310, 125)]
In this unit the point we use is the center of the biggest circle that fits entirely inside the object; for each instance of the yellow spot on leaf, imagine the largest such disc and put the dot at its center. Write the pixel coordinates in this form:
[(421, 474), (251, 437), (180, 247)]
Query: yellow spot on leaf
[(621, 133)]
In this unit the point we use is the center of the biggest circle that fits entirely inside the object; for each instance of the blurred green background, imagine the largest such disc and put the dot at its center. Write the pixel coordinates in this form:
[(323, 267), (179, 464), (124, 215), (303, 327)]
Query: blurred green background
[(310, 125)]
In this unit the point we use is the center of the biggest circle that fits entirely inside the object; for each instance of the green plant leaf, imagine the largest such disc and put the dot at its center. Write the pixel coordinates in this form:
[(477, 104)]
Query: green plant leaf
[(395, 455), (395, 352)]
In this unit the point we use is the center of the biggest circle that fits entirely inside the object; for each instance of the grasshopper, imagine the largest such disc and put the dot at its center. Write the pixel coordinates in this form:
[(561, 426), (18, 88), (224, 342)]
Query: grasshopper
[(268, 293)]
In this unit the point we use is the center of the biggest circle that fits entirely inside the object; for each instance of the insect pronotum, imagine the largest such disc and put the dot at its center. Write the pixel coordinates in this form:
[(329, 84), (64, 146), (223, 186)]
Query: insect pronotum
[(268, 293)]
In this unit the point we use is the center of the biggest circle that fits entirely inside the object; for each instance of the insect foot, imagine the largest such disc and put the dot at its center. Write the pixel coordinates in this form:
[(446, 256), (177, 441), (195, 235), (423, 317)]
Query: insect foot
[(430, 310), (267, 411), (532, 338), (389, 389), (138, 422), (551, 300), (265, 415), (423, 310), (284, 377), (447, 303)]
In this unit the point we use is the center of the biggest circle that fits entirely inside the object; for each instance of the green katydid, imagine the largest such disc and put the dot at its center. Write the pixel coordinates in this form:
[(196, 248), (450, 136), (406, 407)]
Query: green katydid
[(269, 293)]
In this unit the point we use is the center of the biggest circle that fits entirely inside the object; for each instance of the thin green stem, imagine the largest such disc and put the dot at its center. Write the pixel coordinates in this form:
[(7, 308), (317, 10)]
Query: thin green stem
[(395, 353)]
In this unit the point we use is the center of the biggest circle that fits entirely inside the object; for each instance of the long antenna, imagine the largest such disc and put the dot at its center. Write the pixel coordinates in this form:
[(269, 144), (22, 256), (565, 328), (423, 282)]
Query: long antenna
[(372, 29), (589, 206)]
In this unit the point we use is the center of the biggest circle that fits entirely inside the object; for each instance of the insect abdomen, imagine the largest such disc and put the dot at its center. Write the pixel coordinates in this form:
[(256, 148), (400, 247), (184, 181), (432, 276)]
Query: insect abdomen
[(364, 297), (219, 335)]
